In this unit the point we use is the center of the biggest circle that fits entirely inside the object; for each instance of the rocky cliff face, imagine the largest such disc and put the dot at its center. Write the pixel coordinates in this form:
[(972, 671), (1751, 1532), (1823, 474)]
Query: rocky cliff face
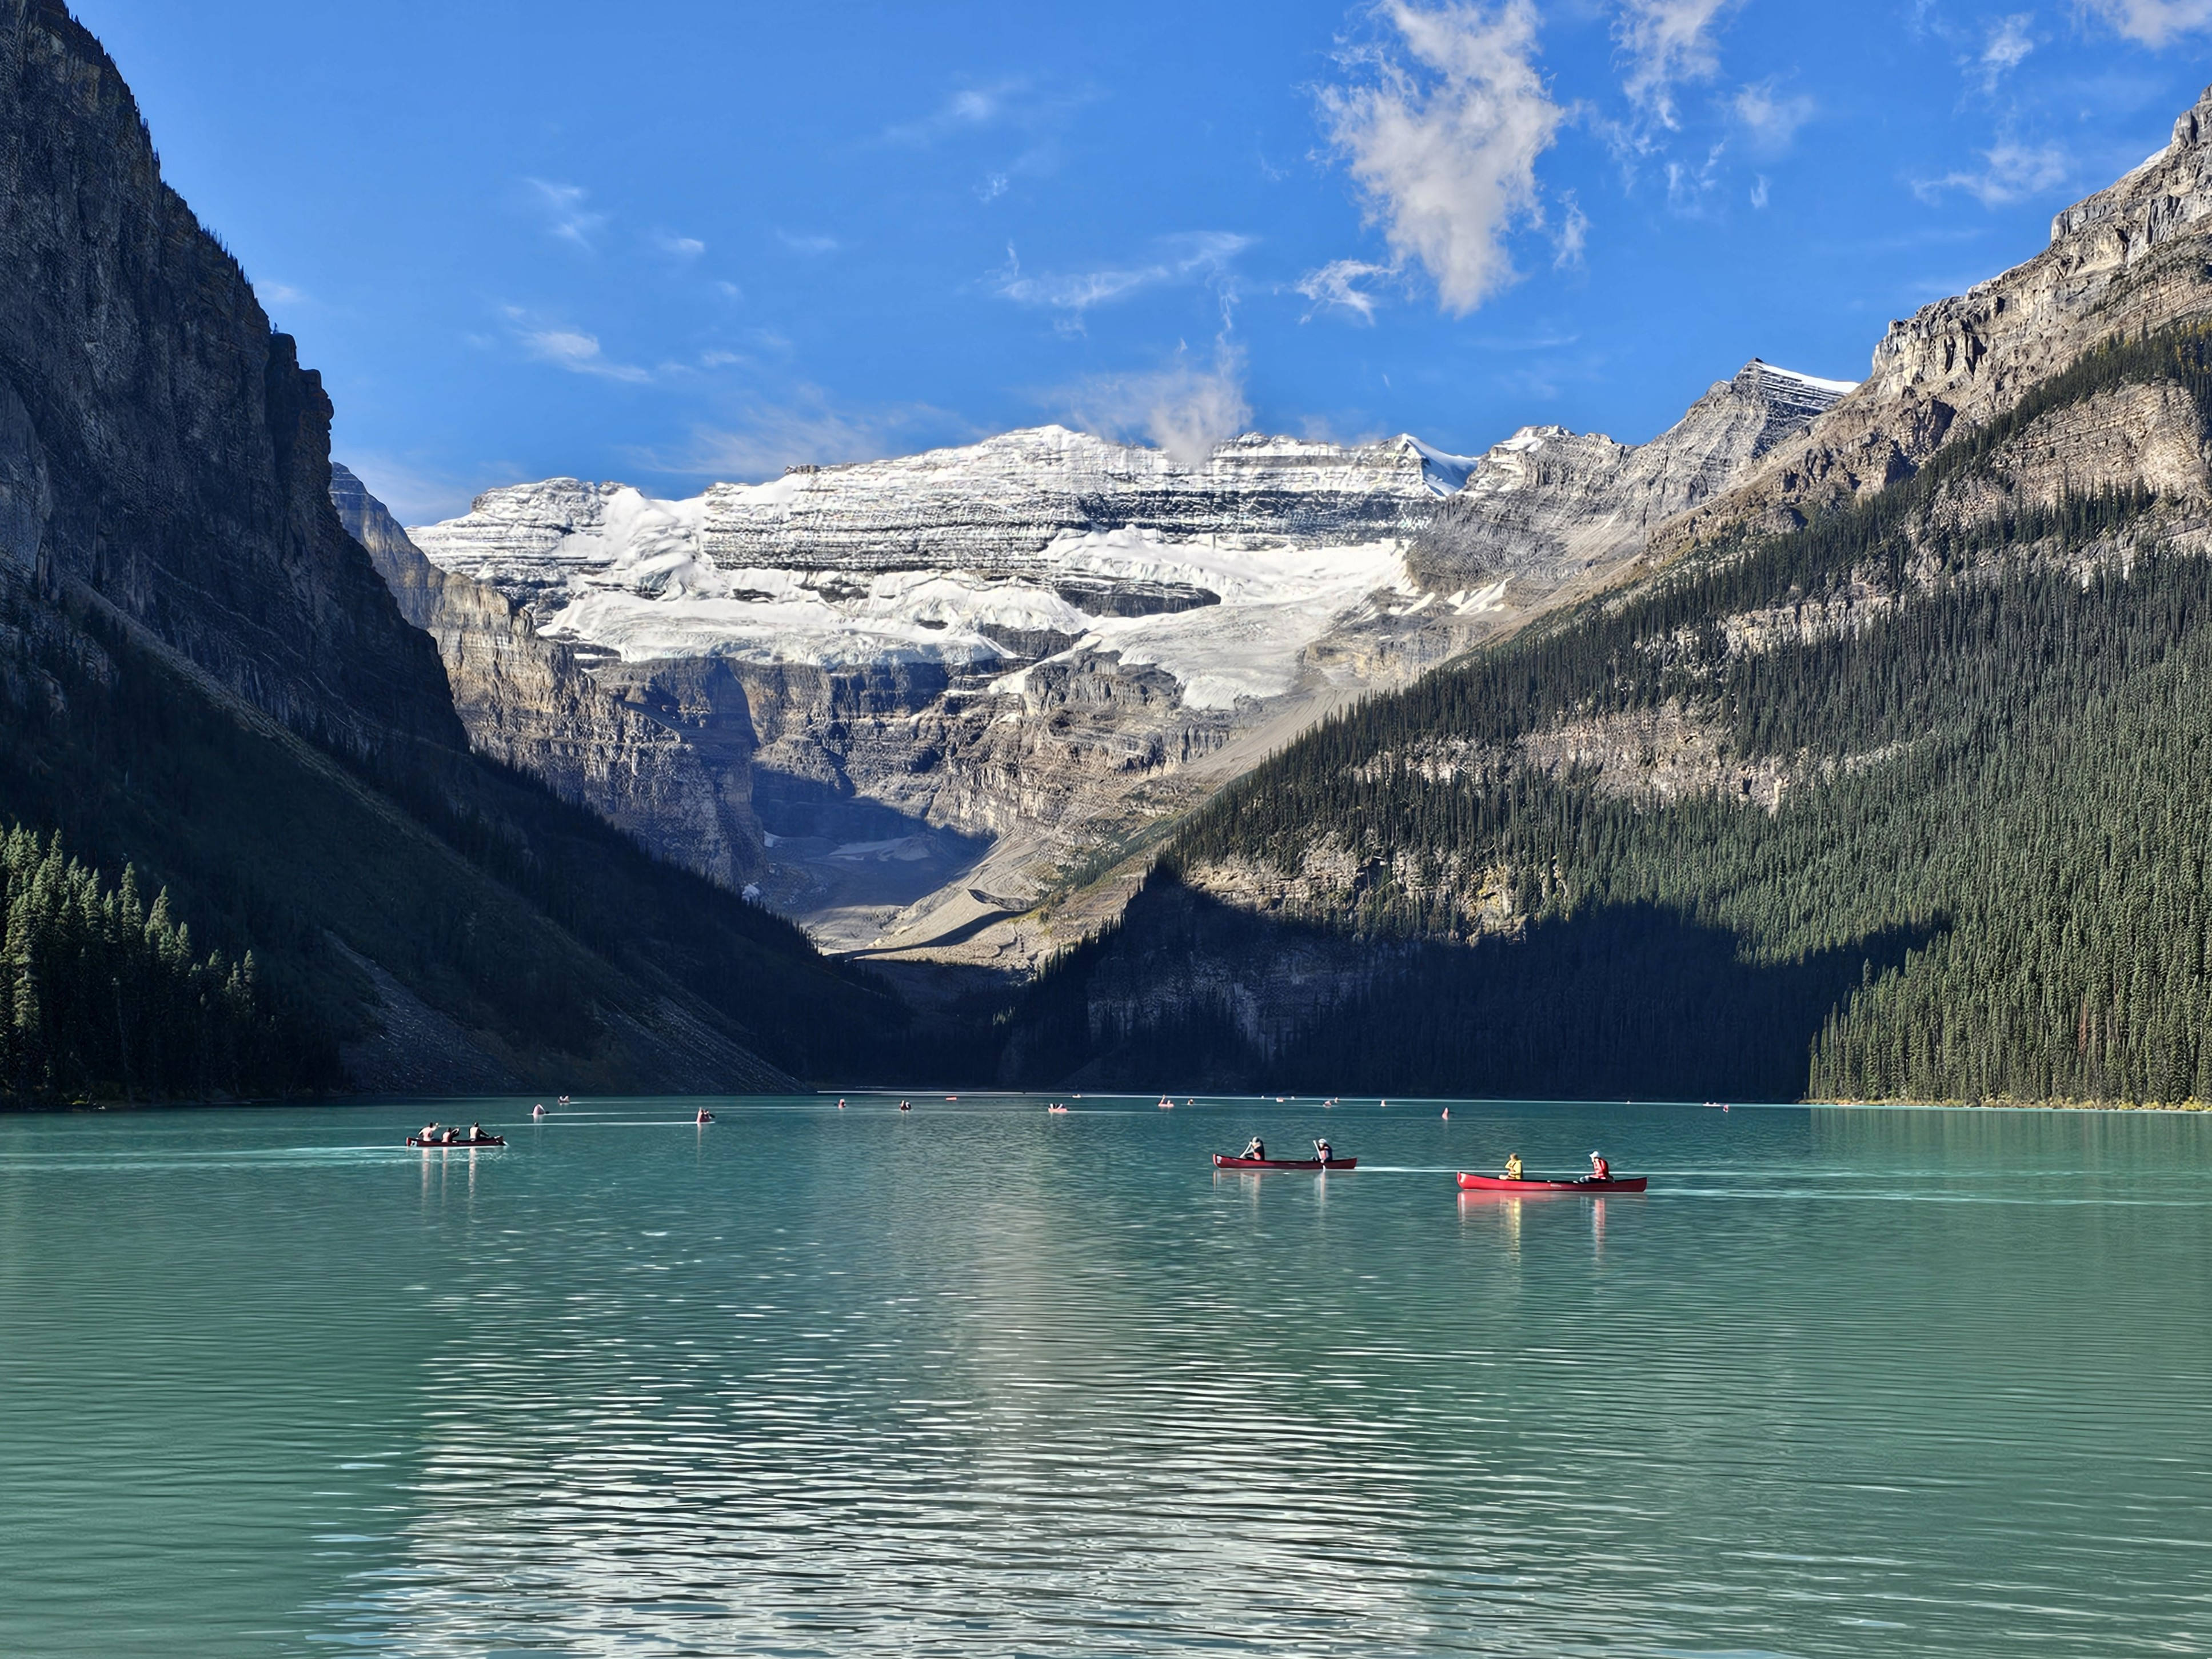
[(202, 674), (651, 756), (2131, 257), (968, 671), (159, 444), (1548, 505)]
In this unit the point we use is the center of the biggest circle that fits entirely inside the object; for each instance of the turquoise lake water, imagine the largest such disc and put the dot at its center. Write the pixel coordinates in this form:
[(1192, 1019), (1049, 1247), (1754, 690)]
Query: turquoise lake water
[(976, 1380)]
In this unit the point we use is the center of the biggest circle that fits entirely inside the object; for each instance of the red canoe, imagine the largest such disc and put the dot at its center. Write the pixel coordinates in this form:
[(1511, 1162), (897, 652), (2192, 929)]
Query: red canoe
[(1479, 1184), (1223, 1161), (454, 1146)]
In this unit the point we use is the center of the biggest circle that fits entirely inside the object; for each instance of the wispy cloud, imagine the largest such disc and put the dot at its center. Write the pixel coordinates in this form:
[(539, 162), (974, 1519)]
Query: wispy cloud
[(2010, 170), (681, 248), (568, 347), (1666, 43), (969, 109), (808, 427), (2005, 48), (1443, 141), (1337, 286), (566, 215), (279, 293), (1200, 256), (802, 242), (1769, 117), (2154, 22), (1573, 234), (1187, 409)]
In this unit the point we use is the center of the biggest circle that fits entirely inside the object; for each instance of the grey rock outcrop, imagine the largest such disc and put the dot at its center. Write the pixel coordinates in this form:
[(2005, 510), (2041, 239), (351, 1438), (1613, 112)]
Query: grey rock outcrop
[(158, 443), (1549, 504), (2134, 256), (654, 758)]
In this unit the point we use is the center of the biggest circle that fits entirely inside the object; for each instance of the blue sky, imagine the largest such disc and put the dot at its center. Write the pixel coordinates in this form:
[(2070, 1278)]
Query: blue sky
[(673, 241)]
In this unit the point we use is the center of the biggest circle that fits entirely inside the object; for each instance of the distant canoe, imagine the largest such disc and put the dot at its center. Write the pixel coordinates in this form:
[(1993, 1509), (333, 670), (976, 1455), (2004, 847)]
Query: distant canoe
[(1223, 1161), (449, 1145), (1481, 1183)]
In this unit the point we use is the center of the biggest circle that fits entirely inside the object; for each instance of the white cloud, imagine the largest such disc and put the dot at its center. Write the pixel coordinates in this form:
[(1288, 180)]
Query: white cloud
[(1186, 409), (966, 109), (566, 215), (1336, 285), (1771, 118), (571, 349), (2154, 22), (769, 437), (1445, 147), (1574, 234), (799, 242), (2006, 47), (1202, 256), (683, 247), (2011, 170), (279, 293), (1667, 42), (1759, 193)]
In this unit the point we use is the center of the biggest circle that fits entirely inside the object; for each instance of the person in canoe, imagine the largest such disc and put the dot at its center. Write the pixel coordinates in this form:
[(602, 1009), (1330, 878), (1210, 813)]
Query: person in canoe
[(476, 1132), (1322, 1149), (1513, 1166), (1253, 1149), (1600, 1169), (705, 1116), (429, 1133)]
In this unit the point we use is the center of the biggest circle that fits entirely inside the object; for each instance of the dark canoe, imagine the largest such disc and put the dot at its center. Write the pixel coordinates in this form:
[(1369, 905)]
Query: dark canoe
[(1482, 1183), (454, 1146), (1223, 1161)]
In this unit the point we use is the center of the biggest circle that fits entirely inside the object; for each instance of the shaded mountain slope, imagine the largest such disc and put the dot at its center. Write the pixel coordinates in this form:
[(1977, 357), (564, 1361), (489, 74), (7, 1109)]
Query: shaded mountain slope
[(202, 673)]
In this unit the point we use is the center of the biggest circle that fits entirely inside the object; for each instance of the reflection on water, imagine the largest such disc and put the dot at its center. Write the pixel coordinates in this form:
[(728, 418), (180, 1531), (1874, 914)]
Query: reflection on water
[(977, 1381)]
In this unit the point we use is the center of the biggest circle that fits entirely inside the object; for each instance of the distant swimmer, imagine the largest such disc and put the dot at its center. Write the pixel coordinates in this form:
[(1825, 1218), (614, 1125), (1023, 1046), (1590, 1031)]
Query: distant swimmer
[(705, 1116)]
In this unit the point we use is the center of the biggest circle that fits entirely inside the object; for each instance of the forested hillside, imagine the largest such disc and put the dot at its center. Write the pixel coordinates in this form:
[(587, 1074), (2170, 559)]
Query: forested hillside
[(1946, 836), (201, 676)]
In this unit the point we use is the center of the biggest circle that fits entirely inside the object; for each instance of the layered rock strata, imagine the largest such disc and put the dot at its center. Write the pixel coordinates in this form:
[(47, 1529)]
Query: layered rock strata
[(651, 753), (968, 671)]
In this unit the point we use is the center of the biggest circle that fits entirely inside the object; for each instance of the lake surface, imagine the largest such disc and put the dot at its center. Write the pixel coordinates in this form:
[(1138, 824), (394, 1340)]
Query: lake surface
[(976, 1380)]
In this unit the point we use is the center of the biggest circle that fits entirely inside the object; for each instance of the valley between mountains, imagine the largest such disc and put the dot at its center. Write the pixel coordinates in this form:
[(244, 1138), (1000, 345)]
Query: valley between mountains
[(1843, 739)]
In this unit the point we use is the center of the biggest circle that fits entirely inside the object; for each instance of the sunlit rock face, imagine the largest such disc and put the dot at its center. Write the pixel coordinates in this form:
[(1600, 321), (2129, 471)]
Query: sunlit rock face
[(1547, 504), (962, 672), (2133, 256), (648, 755)]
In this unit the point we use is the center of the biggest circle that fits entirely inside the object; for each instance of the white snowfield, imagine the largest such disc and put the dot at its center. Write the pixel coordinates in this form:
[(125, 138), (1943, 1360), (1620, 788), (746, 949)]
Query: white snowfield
[(1044, 544), (979, 556)]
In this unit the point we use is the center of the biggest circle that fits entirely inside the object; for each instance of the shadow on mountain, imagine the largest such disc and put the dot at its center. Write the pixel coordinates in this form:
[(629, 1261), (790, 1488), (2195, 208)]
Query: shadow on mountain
[(842, 864), (1616, 1002)]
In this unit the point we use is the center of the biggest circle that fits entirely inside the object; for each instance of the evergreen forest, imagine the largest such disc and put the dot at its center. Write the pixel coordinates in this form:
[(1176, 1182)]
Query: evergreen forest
[(106, 997), (1985, 877)]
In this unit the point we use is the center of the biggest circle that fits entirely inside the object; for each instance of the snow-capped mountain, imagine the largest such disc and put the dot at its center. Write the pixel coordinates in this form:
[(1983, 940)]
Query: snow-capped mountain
[(961, 672)]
